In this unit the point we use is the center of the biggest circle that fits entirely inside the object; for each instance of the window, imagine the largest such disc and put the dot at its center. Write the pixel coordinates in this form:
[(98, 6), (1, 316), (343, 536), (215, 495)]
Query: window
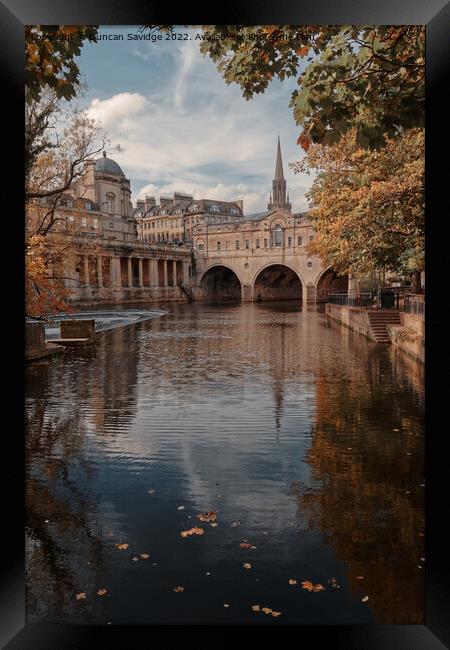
[(110, 202), (300, 241), (70, 204), (200, 245), (95, 223), (111, 225), (214, 208), (247, 243), (193, 208), (278, 235), (265, 243), (238, 243), (218, 245), (289, 241), (311, 237), (84, 221), (88, 206), (258, 243)]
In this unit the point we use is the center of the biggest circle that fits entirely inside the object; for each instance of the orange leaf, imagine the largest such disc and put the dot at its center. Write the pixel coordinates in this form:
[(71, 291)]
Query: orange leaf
[(192, 531)]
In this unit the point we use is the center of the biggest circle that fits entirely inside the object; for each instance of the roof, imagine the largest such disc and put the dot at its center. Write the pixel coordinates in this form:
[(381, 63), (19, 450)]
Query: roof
[(107, 165)]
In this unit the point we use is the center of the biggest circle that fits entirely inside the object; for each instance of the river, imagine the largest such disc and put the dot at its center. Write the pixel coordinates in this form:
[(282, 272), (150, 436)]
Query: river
[(304, 439)]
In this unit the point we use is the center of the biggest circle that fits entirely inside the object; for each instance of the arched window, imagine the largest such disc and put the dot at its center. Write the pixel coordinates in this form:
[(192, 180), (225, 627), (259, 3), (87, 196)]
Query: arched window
[(278, 235), (200, 245), (214, 208)]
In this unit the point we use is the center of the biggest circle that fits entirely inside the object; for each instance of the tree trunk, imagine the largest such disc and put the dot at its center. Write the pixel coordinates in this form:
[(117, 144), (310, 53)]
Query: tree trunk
[(415, 281)]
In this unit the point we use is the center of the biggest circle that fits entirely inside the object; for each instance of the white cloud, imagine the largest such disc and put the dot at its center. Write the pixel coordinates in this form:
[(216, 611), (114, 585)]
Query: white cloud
[(111, 112), (192, 132)]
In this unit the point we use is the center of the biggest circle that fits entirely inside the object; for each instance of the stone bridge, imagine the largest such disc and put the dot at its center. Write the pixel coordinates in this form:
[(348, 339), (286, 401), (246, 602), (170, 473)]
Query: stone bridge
[(264, 274)]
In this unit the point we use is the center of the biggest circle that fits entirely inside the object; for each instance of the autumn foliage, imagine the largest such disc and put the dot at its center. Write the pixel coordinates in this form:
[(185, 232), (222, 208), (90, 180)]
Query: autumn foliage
[(367, 206)]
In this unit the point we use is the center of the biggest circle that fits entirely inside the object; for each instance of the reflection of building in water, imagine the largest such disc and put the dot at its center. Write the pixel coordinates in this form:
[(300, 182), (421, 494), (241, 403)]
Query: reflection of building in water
[(369, 460)]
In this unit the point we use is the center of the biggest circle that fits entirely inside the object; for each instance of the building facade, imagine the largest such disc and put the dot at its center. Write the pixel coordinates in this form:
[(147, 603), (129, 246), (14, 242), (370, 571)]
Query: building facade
[(174, 219), (185, 248)]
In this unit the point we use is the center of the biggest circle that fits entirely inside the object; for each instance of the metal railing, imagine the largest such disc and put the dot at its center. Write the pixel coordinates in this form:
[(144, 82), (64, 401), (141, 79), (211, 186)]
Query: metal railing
[(414, 304), (363, 299)]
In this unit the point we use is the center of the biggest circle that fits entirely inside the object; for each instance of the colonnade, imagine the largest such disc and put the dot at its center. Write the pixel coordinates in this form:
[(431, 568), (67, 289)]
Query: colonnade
[(131, 271)]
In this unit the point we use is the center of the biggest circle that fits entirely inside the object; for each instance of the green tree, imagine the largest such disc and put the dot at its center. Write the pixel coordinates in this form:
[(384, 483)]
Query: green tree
[(367, 206), (350, 77), (49, 58)]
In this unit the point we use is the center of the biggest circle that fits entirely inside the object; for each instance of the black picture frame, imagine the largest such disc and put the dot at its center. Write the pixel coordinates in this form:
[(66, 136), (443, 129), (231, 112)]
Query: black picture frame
[(435, 14)]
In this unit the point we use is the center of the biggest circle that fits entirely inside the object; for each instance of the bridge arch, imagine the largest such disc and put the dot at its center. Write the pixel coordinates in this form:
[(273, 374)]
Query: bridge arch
[(220, 283), (277, 282), (330, 282)]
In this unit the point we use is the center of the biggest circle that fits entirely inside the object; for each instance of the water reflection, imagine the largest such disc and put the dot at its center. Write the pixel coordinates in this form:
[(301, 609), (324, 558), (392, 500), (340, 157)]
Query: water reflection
[(283, 423)]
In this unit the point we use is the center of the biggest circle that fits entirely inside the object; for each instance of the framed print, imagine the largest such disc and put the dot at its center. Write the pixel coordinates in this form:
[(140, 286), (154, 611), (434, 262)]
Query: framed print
[(224, 280)]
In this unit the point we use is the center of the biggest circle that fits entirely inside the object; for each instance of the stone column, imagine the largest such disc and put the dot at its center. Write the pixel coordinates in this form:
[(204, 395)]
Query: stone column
[(86, 271), (165, 273), (174, 273), (99, 272), (153, 271), (352, 284), (130, 273), (141, 273), (116, 279)]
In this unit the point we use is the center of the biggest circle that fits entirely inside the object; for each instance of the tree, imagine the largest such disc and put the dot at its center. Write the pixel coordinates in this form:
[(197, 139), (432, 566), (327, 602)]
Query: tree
[(370, 79), (367, 206), (59, 142), (49, 58)]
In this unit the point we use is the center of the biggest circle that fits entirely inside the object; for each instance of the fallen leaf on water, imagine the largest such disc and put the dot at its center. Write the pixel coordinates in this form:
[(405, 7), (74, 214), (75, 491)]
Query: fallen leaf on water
[(102, 592), (235, 524), (121, 547), (192, 531), (180, 507), (309, 586), (256, 608), (81, 596), (246, 545), (226, 605), (247, 565), (292, 581), (152, 491), (135, 559), (213, 525), (365, 599), (395, 429), (178, 589), (267, 610), (211, 515), (359, 577), (145, 556)]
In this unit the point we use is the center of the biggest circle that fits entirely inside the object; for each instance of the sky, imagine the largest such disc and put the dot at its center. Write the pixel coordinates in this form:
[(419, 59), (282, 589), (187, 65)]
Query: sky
[(182, 128)]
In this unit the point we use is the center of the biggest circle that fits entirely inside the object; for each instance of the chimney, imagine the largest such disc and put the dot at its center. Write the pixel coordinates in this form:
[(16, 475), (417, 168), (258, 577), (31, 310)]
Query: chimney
[(150, 201)]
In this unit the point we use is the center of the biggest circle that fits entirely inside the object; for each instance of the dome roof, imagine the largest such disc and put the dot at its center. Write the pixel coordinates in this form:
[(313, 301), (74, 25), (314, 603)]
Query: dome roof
[(107, 165)]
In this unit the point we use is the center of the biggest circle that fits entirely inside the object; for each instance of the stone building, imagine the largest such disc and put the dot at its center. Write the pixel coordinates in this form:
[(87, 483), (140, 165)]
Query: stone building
[(186, 248), (174, 218), (262, 256), (105, 260)]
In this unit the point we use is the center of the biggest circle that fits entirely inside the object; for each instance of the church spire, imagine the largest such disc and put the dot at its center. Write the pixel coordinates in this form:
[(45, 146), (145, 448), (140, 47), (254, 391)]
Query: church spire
[(279, 176), (279, 185)]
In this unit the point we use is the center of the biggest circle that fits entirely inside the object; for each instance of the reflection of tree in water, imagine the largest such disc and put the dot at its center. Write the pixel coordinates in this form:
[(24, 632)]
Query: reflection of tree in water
[(65, 399), (370, 503)]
